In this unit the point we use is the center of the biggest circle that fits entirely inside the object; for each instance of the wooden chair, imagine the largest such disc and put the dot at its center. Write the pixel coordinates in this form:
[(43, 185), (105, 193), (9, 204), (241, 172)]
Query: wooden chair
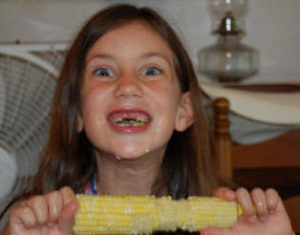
[(273, 163)]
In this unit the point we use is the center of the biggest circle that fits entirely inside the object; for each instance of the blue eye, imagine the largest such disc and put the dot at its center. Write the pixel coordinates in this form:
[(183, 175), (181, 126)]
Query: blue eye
[(152, 71), (104, 72)]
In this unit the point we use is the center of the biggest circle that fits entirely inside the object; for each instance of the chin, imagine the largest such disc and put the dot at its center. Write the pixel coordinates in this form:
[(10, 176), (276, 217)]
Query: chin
[(132, 148), (130, 155)]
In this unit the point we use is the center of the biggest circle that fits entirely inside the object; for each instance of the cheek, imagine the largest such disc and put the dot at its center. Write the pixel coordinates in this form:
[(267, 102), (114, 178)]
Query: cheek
[(167, 103), (167, 98), (92, 114), (92, 104)]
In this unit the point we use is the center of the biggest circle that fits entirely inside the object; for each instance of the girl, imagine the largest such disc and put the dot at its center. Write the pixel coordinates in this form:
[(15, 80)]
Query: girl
[(128, 119)]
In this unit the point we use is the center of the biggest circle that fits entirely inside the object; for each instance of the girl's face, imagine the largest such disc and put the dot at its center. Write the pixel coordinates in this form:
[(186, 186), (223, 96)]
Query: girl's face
[(131, 100)]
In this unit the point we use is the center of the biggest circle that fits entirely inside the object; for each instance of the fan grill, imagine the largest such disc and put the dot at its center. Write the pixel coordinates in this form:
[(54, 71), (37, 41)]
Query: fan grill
[(54, 58), (27, 81)]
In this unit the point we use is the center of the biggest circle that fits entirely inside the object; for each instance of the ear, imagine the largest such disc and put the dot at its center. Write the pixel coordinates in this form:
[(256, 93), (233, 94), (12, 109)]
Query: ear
[(185, 113)]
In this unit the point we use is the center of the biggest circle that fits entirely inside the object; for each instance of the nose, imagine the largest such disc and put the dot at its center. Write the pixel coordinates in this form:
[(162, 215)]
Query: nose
[(129, 85)]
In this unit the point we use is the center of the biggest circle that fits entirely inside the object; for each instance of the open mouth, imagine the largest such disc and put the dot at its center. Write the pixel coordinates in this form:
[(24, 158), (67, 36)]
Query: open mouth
[(130, 122), (128, 118)]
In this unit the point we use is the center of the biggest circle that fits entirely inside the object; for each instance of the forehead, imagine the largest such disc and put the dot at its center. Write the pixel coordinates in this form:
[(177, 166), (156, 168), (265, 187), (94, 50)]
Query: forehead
[(135, 37)]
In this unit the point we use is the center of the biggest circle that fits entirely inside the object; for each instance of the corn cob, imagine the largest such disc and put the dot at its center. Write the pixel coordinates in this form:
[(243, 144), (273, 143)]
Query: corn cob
[(147, 214)]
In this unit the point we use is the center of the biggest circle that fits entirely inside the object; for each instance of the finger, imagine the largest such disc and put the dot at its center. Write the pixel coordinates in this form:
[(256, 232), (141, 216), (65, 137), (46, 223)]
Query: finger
[(68, 195), (259, 199), (55, 202), (273, 200), (22, 215), (244, 199), (66, 221), (225, 193), (39, 206), (70, 206)]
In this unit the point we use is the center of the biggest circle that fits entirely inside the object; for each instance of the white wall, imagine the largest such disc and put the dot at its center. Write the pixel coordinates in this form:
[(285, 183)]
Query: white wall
[(272, 26)]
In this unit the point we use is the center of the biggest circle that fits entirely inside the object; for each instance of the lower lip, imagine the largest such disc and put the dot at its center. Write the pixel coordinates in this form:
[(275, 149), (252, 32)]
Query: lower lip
[(129, 129)]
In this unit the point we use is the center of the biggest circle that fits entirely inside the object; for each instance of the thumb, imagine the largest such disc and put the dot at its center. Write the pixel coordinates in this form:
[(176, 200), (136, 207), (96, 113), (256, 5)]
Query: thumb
[(224, 193), (66, 220), (215, 231)]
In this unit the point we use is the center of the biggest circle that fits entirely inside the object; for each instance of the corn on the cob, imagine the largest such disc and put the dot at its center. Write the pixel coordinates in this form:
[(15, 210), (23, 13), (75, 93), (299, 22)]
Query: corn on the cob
[(146, 214)]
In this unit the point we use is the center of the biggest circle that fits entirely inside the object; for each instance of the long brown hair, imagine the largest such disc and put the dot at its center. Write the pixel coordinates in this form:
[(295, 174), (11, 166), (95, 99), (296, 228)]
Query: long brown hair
[(68, 158)]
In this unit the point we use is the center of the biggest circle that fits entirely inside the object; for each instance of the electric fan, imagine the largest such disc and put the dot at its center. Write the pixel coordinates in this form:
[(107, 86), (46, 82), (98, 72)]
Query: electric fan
[(27, 81)]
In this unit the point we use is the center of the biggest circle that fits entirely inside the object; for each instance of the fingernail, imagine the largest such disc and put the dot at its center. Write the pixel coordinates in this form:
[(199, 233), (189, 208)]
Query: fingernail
[(73, 205)]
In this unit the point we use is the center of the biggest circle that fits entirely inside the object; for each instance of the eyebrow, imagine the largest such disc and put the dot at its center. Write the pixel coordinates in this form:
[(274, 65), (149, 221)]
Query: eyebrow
[(155, 54), (100, 56), (144, 56)]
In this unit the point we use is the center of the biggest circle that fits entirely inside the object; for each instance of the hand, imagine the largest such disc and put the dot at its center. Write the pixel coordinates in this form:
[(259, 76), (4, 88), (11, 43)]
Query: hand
[(49, 214), (263, 213)]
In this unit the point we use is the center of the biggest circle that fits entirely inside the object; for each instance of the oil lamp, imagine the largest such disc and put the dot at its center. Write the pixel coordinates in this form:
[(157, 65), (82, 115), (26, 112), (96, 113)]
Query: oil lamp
[(228, 59)]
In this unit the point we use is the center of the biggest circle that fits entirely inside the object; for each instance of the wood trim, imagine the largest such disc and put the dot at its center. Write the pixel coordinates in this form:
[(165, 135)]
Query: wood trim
[(264, 87), (268, 177), (273, 163), (222, 140), (283, 151)]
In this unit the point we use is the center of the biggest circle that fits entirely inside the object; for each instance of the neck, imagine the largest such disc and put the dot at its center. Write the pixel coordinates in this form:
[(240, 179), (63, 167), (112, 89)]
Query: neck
[(127, 177)]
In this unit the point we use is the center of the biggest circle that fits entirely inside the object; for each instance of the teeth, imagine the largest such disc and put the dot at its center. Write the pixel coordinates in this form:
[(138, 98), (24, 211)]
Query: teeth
[(129, 119), (129, 122), (117, 119)]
